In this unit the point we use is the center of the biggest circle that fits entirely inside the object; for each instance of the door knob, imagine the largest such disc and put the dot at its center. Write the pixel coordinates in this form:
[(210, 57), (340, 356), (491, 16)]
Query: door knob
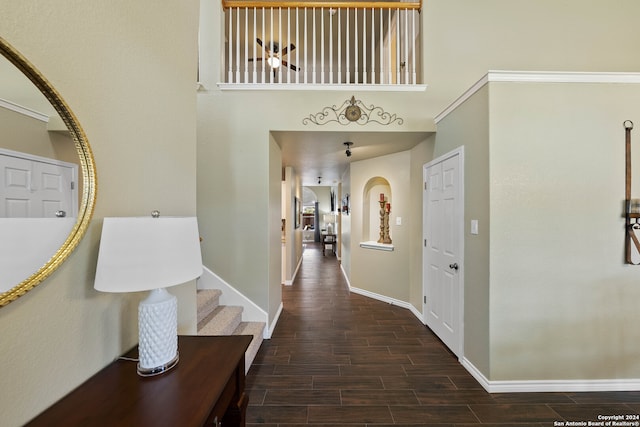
[(61, 214), (453, 266)]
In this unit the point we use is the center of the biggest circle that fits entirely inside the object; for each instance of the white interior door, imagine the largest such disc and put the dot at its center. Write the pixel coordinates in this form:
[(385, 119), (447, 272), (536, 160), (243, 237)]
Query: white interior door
[(34, 187), (443, 249)]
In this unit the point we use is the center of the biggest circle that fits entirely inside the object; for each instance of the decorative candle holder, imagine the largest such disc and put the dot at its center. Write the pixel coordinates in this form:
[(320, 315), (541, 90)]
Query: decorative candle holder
[(386, 238), (382, 217)]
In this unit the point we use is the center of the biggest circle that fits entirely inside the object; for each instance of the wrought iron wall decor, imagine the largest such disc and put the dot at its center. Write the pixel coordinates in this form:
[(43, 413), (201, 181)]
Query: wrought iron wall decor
[(353, 111)]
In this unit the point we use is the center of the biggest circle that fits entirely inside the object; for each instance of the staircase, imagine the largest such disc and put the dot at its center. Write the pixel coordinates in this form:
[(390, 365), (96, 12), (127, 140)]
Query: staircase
[(216, 319)]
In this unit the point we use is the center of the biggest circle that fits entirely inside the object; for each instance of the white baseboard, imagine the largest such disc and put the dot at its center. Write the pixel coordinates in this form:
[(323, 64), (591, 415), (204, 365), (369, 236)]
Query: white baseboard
[(383, 298), (295, 273), (273, 324), (230, 296), (540, 386)]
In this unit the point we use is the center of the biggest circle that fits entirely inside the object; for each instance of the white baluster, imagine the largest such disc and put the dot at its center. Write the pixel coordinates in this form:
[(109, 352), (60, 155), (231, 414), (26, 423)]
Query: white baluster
[(288, 43), (406, 46), (254, 78), (331, 11), (315, 58), (381, 38), (238, 45), (246, 45), (297, 44), (398, 22), (389, 39), (280, 41), (306, 45), (413, 51), (322, 45), (348, 76), (339, 45), (270, 45), (230, 59), (356, 77), (263, 78), (373, 50), (364, 46)]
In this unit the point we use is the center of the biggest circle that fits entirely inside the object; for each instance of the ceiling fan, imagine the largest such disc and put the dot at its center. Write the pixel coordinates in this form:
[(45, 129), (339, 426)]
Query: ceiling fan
[(275, 56)]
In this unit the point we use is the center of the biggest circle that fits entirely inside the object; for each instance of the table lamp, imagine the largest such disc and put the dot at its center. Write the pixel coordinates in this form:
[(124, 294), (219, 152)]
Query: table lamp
[(329, 219), (150, 254)]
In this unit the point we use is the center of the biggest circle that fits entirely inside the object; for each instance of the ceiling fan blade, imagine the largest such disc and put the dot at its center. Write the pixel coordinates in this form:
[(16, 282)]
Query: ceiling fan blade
[(263, 46), (293, 67), (288, 49)]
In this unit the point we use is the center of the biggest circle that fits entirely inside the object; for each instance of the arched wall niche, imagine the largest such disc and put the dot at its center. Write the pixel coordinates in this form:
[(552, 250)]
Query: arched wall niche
[(371, 197)]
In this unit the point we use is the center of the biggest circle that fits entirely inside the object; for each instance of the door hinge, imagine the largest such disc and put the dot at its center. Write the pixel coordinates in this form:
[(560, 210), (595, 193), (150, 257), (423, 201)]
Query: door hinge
[(425, 243), (425, 185), (73, 185), (425, 299)]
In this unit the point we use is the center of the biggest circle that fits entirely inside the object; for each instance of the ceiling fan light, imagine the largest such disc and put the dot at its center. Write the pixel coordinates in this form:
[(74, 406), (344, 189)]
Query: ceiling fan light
[(273, 61)]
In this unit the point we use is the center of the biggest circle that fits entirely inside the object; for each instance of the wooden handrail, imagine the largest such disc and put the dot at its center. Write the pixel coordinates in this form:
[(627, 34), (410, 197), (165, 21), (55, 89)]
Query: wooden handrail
[(332, 4)]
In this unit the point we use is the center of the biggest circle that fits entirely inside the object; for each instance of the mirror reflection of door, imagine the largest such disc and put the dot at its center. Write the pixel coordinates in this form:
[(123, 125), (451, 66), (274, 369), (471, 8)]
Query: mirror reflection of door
[(36, 187)]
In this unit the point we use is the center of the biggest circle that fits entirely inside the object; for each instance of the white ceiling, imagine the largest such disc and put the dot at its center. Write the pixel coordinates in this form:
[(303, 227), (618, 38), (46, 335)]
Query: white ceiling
[(322, 154)]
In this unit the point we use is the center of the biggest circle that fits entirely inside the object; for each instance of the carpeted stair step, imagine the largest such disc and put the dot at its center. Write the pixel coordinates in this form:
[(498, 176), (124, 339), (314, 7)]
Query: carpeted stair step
[(222, 321), (251, 328), (207, 300)]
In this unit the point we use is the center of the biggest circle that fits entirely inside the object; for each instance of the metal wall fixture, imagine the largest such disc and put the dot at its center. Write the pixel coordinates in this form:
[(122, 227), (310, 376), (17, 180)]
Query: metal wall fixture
[(353, 111)]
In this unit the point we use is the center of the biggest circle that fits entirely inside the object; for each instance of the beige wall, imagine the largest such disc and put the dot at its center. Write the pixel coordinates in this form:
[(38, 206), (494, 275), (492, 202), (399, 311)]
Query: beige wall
[(563, 303), (382, 272), (419, 155), (468, 126), (28, 135), (127, 71), (274, 225), (466, 38)]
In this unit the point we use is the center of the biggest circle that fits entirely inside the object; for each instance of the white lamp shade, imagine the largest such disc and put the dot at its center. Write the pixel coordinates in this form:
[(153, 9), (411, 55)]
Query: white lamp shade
[(145, 253)]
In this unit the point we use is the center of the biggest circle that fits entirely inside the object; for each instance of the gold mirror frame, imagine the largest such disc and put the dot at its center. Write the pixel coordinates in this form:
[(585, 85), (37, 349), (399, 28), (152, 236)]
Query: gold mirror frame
[(85, 211)]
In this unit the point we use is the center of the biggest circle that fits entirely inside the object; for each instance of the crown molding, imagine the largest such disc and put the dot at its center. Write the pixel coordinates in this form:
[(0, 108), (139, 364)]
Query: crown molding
[(539, 77), (23, 110)]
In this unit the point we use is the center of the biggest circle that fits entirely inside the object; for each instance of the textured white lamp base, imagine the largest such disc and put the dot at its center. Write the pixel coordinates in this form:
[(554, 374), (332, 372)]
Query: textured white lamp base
[(158, 333)]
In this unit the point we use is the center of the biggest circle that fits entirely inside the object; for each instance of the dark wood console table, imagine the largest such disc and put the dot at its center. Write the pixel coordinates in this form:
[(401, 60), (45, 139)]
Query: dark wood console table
[(206, 388)]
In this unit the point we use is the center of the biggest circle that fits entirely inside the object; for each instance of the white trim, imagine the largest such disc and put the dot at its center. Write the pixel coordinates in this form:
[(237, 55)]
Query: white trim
[(540, 386), (562, 77), (295, 273), (23, 110), (41, 159), (380, 297), (344, 273), (272, 325), (539, 77), (324, 87), (462, 98), (230, 296)]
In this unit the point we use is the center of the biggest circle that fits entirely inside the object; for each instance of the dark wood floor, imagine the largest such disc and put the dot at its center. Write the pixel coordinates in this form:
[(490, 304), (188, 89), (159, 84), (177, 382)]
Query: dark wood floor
[(341, 359)]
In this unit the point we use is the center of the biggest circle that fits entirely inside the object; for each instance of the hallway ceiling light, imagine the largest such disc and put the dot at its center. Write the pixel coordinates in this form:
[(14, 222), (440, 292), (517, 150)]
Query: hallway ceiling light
[(348, 144)]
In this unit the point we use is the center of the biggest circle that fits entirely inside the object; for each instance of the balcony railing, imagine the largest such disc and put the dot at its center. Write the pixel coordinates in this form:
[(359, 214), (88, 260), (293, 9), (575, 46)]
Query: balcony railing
[(327, 43)]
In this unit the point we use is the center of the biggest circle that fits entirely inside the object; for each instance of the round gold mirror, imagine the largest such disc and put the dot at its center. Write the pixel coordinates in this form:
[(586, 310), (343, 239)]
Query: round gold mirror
[(36, 233)]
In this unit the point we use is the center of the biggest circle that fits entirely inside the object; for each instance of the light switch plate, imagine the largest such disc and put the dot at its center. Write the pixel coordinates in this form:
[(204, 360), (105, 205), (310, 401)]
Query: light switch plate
[(398, 220), (474, 226)]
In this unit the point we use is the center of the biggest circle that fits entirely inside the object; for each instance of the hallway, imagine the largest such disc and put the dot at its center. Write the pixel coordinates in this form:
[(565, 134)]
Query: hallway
[(337, 359)]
